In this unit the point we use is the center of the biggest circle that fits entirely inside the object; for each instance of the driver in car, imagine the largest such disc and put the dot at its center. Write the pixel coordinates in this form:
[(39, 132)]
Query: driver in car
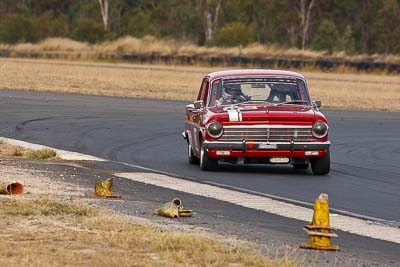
[(232, 94)]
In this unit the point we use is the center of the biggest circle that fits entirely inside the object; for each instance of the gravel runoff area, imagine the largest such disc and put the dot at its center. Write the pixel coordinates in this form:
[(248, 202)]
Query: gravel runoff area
[(73, 180)]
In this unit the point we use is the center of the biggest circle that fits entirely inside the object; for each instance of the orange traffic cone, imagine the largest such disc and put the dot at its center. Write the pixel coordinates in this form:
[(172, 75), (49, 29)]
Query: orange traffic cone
[(11, 188), (319, 230)]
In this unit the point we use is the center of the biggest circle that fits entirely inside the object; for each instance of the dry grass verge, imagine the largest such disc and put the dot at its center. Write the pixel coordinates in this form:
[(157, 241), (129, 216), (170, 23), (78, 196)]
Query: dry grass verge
[(7, 149), (45, 232), (150, 45), (347, 91)]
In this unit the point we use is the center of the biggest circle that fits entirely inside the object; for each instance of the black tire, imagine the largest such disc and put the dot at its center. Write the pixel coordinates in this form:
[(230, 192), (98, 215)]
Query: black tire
[(207, 163), (321, 166), (191, 156), (301, 166)]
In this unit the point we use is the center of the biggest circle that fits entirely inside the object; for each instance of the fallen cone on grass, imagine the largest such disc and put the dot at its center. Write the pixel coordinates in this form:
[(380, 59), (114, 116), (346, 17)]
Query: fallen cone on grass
[(14, 188), (319, 230), (185, 213), (104, 189), (173, 209)]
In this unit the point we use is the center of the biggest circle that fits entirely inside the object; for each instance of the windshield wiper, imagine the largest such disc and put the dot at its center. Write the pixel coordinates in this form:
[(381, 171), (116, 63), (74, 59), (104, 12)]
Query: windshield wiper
[(254, 101), (292, 102)]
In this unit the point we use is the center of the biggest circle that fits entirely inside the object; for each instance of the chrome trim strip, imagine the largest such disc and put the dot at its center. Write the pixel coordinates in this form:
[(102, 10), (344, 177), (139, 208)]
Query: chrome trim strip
[(259, 146), (276, 143), (267, 76), (271, 126)]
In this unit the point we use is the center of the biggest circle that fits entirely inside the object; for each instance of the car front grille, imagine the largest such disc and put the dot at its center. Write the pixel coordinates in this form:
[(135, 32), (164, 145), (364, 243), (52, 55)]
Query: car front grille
[(272, 133)]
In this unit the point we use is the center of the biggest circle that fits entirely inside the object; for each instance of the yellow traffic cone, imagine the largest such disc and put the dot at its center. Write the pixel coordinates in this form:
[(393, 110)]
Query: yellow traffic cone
[(319, 230), (104, 189), (173, 209), (185, 213)]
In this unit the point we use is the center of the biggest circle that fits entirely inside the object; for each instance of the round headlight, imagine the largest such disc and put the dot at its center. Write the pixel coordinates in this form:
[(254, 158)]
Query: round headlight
[(215, 129), (320, 129)]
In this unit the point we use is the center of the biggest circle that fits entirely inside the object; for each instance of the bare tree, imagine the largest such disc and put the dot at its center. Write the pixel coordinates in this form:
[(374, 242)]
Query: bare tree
[(365, 7), (304, 12), (292, 31), (105, 11), (210, 23)]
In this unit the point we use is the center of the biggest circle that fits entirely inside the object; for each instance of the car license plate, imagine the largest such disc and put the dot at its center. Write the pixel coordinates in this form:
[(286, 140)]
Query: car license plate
[(267, 146), (279, 160)]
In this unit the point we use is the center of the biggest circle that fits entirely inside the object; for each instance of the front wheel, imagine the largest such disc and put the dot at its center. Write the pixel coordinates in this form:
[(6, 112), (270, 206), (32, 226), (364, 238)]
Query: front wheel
[(192, 157), (321, 166), (206, 162)]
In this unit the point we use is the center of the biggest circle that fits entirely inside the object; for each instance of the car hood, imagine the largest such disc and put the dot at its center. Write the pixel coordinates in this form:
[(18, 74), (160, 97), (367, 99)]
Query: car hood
[(270, 113)]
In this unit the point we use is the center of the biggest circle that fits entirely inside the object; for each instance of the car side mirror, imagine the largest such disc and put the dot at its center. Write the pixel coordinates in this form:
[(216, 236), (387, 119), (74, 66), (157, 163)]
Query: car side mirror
[(317, 103), (189, 107), (198, 104)]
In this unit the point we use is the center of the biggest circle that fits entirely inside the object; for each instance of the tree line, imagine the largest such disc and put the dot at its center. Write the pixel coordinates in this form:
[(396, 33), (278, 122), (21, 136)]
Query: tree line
[(352, 26)]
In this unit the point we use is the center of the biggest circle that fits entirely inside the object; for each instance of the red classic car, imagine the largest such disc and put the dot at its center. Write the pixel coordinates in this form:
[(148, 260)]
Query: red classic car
[(256, 116)]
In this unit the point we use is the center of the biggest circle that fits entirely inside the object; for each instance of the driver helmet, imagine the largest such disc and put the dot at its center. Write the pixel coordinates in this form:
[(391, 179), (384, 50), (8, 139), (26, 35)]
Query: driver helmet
[(231, 90)]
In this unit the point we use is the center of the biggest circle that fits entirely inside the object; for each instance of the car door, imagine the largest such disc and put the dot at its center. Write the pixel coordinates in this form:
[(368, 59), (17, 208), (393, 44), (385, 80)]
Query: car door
[(194, 113)]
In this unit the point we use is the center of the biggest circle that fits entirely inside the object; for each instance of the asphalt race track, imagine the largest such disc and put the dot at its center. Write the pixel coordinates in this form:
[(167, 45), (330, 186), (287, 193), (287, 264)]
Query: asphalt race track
[(365, 176)]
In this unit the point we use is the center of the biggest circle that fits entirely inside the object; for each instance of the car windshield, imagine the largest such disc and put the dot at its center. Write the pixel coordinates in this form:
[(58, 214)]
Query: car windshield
[(274, 91)]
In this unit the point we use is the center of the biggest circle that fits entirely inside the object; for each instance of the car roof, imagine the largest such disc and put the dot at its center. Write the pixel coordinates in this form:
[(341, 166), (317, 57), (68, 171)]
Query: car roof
[(254, 72)]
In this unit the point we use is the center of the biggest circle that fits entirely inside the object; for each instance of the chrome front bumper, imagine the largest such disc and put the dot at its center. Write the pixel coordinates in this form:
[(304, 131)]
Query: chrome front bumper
[(246, 146)]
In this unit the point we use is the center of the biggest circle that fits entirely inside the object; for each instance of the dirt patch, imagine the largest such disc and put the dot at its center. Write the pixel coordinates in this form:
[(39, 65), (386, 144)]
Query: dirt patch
[(36, 182)]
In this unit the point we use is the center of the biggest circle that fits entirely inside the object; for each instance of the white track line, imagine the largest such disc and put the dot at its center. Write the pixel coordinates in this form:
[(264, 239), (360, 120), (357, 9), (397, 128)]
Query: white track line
[(342, 222), (63, 154)]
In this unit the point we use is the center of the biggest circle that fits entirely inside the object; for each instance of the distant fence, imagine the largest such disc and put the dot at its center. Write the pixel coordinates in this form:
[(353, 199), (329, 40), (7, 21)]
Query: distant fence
[(272, 62)]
